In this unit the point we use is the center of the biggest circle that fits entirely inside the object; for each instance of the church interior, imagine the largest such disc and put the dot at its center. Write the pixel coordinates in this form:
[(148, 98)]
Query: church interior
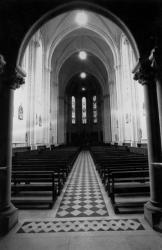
[(81, 124)]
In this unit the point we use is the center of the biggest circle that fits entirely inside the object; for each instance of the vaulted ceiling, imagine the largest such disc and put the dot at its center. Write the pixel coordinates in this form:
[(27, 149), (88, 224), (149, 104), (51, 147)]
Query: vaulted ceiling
[(64, 37)]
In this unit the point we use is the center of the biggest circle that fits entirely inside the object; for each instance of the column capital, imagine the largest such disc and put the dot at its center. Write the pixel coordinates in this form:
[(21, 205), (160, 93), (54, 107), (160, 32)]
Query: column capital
[(149, 69), (13, 79), (16, 80), (144, 73)]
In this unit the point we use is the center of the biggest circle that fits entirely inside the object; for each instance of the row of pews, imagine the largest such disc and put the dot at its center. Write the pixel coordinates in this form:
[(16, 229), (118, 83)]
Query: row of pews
[(38, 176), (125, 176)]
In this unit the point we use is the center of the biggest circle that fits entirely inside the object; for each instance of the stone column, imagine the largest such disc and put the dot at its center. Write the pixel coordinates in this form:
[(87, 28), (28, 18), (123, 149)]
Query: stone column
[(8, 213), (145, 74), (66, 119), (31, 94), (89, 129), (53, 109), (159, 95), (117, 84), (107, 119), (100, 117), (61, 129), (69, 120), (46, 108), (78, 116), (156, 62)]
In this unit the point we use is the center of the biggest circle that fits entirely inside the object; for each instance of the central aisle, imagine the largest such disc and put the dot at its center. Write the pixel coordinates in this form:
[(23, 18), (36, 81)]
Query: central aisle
[(83, 196), (81, 218), (83, 206)]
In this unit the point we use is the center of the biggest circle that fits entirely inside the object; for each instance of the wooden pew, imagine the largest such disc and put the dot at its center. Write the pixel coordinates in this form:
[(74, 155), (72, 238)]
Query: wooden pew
[(128, 183), (123, 173), (32, 173), (105, 175), (33, 188), (60, 173)]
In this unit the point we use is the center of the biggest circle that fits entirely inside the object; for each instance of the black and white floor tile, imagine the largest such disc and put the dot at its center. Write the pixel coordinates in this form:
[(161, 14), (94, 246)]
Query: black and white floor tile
[(81, 226), (83, 206), (83, 197)]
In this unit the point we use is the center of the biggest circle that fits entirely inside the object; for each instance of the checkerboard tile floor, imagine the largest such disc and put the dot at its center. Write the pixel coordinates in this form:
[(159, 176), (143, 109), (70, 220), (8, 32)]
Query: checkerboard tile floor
[(83, 196), (82, 207)]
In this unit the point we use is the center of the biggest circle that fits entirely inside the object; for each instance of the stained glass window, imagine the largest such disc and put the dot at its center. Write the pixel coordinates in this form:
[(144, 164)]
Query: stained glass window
[(94, 109), (84, 110), (73, 115)]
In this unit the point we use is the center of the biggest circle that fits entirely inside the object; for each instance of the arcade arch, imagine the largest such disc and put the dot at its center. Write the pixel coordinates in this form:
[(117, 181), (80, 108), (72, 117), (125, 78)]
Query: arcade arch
[(101, 39)]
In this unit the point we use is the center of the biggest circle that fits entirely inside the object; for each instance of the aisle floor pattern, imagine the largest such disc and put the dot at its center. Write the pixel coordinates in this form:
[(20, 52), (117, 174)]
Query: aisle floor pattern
[(82, 207), (83, 196)]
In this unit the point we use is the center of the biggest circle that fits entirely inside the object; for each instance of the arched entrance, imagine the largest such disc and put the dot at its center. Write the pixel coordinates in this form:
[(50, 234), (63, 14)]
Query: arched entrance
[(9, 214)]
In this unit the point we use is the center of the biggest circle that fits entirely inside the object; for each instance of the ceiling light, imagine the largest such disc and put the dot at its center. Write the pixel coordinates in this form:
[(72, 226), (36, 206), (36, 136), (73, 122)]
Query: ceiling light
[(83, 89), (81, 18), (83, 75), (82, 55)]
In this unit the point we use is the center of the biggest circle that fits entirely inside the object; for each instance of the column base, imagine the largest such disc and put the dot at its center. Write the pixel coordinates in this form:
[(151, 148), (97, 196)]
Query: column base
[(8, 219), (153, 215)]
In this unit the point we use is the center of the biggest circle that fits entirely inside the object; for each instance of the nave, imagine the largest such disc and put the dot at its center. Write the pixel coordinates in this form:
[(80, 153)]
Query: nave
[(81, 218), (79, 73)]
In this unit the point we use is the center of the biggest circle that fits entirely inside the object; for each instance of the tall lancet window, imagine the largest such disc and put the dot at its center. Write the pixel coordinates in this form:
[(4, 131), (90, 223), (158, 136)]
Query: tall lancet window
[(84, 110), (73, 113), (94, 109)]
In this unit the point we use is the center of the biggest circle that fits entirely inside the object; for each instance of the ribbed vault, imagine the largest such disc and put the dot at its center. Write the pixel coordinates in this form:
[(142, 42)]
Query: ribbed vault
[(72, 66), (99, 37)]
